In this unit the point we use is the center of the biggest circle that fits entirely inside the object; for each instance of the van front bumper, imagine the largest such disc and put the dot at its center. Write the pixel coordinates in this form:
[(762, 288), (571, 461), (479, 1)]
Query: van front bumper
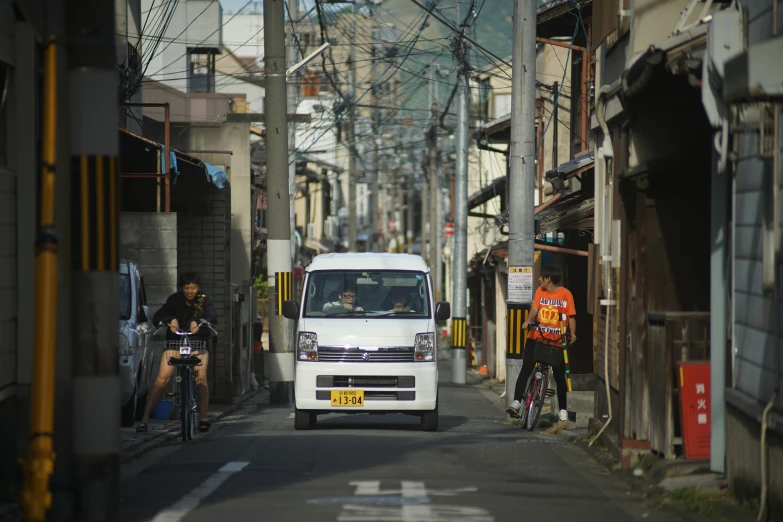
[(387, 387)]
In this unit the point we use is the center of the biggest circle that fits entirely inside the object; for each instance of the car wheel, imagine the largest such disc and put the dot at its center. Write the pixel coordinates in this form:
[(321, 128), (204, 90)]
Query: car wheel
[(128, 417), (304, 420), (429, 420)]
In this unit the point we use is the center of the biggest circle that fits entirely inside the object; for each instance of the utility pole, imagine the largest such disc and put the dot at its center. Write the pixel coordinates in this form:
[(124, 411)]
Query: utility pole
[(351, 131), (522, 177), (292, 89), (432, 139), (281, 370), (94, 223), (425, 214), (459, 326), (375, 199)]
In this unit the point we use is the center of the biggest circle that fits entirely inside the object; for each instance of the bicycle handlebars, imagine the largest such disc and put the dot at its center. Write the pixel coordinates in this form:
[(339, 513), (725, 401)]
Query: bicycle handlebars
[(183, 333)]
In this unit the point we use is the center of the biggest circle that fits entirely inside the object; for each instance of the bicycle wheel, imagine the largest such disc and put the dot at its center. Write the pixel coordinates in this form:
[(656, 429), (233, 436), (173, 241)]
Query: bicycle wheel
[(538, 397), (193, 406), (184, 402)]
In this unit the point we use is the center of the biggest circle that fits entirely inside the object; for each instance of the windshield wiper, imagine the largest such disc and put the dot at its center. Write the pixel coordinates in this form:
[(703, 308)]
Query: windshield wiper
[(392, 312)]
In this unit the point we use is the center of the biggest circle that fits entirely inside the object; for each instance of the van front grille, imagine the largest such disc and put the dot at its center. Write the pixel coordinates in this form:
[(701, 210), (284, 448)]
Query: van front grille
[(357, 355)]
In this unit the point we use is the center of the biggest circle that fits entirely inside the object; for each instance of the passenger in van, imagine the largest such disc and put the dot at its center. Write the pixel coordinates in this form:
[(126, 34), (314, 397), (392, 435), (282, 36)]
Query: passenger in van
[(400, 298), (346, 300)]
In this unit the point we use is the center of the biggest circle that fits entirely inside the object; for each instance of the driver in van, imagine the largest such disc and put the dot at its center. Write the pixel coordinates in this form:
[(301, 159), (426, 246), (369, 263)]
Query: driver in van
[(400, 298), (346, 299)]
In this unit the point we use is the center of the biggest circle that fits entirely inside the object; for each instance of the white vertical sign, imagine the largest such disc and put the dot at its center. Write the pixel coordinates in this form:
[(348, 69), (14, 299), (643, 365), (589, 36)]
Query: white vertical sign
[(520, 284)]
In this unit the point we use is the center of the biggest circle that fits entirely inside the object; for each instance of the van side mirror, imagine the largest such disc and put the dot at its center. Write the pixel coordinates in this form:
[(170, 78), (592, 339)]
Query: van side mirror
[(291, 310), (442, 311)]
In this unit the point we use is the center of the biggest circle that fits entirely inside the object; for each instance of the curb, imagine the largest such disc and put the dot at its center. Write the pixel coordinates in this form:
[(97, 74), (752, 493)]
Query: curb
[(173, 432)]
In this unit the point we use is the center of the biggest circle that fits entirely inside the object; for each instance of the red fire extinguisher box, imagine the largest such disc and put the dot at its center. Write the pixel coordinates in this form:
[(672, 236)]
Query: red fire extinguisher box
[(695, 408)]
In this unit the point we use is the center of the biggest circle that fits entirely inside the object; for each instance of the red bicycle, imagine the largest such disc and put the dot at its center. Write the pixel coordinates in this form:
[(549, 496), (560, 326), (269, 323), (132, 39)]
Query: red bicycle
[(537, 389)]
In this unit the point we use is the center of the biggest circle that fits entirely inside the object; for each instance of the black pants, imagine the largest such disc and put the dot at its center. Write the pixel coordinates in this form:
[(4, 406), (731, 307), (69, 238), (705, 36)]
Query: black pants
[(527, 369)]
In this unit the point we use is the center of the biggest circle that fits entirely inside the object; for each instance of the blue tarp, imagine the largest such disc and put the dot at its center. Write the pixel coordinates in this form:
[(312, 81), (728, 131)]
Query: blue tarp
[(172, 162), (215, 175)]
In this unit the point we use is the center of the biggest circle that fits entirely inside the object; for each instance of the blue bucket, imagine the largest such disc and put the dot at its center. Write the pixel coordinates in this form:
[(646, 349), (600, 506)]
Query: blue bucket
[(163, 409)]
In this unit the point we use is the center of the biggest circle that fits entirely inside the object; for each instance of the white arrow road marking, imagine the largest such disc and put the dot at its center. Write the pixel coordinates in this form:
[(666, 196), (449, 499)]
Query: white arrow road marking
[(373, 487), (423, 511), (413, 512), (367, 487), (192, 500)]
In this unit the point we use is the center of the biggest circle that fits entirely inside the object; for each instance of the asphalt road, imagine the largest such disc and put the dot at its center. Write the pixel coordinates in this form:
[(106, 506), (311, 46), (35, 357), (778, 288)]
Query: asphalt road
[(476, 468)]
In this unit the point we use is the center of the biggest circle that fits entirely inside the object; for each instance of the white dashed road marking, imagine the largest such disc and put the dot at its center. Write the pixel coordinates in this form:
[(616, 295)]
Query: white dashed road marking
[(192, 500)]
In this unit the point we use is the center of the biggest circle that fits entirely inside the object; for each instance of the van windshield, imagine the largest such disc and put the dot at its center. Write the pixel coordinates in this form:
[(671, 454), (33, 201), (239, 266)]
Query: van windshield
[(378, 294)]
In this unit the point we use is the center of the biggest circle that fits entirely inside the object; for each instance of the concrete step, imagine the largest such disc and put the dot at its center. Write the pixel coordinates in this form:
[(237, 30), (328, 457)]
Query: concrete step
[(579, 402)]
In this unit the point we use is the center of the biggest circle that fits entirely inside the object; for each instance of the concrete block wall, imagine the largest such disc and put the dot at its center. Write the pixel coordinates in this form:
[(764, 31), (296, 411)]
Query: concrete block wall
[(150, 239), (204, 246)]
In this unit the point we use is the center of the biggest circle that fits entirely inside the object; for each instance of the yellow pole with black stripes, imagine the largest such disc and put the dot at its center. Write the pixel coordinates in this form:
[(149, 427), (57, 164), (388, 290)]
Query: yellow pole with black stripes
[(284, 282), (516, 337)]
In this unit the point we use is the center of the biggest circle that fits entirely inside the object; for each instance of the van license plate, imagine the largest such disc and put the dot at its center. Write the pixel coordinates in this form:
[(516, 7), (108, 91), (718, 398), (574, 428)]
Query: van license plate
[(345, 398)]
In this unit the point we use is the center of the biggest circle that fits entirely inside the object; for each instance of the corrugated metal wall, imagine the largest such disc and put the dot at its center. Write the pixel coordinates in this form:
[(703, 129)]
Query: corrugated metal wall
[(753, 310)]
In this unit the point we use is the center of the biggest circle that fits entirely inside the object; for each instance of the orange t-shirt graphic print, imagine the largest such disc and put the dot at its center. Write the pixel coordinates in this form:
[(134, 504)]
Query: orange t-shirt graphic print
[(554, 308)]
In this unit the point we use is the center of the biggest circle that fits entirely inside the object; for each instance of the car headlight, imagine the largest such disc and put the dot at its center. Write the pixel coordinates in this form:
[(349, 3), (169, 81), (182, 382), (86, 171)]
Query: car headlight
[(424, 347), (125, 348), (307, 346)]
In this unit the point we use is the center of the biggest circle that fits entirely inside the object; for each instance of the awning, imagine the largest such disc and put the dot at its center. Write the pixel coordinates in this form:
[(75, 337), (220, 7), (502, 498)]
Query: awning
[(572, 211), (316, 245), (496, 188), (496, 131), (558, 175)]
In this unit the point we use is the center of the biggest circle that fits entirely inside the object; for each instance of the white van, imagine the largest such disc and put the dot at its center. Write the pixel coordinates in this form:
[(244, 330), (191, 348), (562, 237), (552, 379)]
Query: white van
[(366, 338)]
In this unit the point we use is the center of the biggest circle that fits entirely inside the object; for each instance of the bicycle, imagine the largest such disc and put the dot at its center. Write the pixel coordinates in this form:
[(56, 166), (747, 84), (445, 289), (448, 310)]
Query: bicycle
[(185, 379), (537, 389)]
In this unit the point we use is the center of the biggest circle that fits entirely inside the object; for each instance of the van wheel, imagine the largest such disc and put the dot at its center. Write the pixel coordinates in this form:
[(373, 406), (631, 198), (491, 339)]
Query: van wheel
[(304, 420), (429, 420)]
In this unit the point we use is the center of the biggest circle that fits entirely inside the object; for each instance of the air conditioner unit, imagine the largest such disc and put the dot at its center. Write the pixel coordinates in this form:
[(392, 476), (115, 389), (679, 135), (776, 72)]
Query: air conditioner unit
[(329, 227), (311, 230)]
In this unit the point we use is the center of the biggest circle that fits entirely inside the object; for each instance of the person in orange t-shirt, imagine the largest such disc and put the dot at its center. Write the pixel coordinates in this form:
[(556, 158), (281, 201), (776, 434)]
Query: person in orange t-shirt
[(551, 303)]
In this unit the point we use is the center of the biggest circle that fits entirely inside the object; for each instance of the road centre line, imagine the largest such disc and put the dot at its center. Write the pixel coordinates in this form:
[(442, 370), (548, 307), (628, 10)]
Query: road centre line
[(190, 501)]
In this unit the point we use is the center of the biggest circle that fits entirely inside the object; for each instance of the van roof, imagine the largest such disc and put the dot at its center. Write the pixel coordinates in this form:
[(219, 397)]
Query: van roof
[(367, 261)]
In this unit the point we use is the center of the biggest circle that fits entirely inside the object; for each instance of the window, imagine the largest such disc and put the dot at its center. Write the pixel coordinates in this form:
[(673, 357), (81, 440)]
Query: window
[(376, 294), (201, 71), (125, 296), (502, 105)]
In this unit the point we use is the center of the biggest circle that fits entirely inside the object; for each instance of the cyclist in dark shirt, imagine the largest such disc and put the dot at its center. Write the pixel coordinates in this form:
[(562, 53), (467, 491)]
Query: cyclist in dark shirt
[(184, 310)]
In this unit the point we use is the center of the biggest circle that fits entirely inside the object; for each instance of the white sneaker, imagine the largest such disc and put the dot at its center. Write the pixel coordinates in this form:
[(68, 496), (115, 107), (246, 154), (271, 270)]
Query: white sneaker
[(563, 415), (513, 410)]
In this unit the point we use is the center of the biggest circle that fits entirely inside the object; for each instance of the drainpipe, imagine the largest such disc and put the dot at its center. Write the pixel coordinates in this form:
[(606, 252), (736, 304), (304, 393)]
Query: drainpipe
[(763, 515), (36, 497), (606, 152)]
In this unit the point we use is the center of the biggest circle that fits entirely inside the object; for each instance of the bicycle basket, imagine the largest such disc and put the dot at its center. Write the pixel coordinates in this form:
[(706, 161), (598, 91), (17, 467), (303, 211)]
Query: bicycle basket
[(186, 347), (549, 355)]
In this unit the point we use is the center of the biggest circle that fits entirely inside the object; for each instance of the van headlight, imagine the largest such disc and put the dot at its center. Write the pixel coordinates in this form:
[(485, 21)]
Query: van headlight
[(307, 346), (424, 347)]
